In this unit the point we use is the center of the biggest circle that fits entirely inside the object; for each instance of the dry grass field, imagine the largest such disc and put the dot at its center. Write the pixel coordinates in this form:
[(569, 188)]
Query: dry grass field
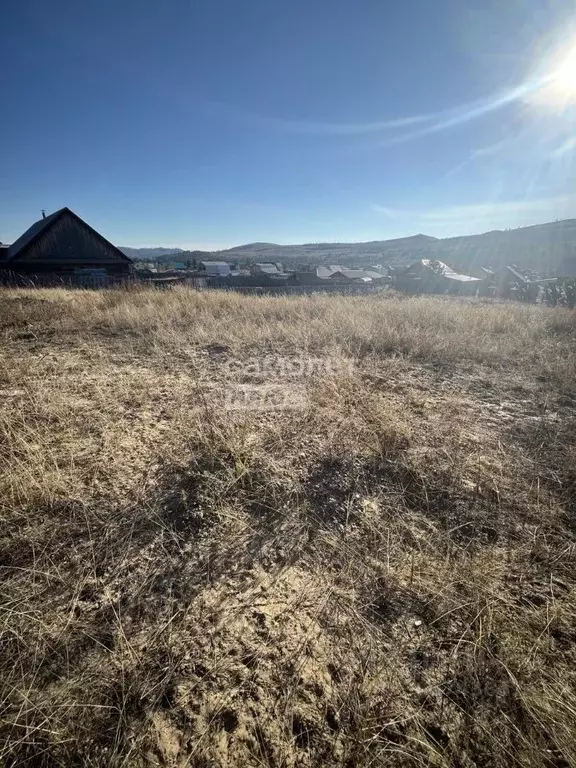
[(302, 531)]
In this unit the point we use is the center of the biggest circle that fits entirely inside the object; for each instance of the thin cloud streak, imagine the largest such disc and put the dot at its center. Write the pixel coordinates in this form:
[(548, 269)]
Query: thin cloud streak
[(476, 154), (568, 146), (501, 213), (467, 113), (392, 213), (490, 150), (432, 122), (490, 209), (312, 127)]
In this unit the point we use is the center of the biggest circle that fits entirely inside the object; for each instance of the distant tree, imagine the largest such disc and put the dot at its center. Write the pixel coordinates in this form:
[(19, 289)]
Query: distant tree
[(570, 292), (561, 293)]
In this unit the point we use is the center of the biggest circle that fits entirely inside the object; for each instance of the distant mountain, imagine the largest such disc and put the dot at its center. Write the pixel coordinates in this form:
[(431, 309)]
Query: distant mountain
[(254, 247), (151, 254), (547, 249), (327, 253)]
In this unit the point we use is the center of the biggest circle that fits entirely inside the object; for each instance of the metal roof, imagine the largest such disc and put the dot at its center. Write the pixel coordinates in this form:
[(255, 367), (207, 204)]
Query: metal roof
[(267, 266), (215, 263), (357, 274), (451, 275), (327, 271), (447, 271)]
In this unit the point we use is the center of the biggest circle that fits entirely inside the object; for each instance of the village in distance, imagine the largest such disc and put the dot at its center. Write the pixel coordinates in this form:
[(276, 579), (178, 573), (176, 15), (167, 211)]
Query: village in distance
[(532, 264)]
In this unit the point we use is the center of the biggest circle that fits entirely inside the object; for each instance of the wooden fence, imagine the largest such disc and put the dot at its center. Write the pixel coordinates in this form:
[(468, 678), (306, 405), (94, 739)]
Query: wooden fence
[(13, 280), (299, 290)]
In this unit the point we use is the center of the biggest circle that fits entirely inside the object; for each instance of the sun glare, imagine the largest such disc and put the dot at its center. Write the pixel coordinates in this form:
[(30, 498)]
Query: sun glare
[(564, 79), (558, 89)]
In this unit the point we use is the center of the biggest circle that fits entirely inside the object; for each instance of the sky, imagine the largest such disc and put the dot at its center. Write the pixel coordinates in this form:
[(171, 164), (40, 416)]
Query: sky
[(211, 123)]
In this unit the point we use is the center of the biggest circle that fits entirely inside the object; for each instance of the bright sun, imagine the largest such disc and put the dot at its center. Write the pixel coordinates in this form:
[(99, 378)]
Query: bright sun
[(564, 78), (557, 89)]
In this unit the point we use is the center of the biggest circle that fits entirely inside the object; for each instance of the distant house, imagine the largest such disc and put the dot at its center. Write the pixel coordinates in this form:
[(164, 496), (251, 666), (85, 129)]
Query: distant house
[(338, 272), (215, 268), (270, 268), (327, 271), (429, 276), (356, 275), (510, 282), (305, 277), (63, 245)]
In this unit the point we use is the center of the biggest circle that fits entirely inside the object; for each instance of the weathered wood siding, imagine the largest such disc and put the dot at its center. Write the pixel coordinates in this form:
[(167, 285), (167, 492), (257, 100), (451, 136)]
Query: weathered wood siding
[(68, 243)]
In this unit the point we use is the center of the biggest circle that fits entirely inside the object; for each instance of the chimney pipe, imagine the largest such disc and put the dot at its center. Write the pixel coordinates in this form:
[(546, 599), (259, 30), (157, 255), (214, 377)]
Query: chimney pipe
[(43, 213)]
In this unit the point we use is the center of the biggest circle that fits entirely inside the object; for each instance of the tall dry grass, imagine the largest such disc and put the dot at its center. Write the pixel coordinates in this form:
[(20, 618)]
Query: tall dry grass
[(379, 570)]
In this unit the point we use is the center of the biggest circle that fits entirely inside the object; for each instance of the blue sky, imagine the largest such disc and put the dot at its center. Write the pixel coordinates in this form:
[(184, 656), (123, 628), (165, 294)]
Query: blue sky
[(209, 123)]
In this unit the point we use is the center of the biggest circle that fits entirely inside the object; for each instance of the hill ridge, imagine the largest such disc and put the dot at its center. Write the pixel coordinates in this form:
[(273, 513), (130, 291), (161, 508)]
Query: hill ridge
[(547, 248)]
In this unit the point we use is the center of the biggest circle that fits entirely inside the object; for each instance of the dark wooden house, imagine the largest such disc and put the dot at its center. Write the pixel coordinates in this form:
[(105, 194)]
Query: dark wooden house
[(62, 245)]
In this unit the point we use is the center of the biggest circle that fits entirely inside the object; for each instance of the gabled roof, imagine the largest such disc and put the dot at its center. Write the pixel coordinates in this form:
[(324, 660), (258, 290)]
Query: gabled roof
[(216, 268), (43, 225), (268, 267), (327, 271), (451, 275), (357, 274), (32, 233), (215, 263), (444, 270)]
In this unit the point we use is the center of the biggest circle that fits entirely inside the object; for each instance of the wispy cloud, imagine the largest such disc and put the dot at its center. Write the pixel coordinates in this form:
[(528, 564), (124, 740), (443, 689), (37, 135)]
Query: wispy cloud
[(392, 213), (490, 150), (318, 127), (474, 216), (408, 127), (467, 113), (489, 210), (346, 129), (564, 148)]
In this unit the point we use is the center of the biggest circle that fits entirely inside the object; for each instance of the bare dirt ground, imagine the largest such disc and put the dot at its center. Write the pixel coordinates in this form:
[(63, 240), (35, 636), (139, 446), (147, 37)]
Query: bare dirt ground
[(319, 531)]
